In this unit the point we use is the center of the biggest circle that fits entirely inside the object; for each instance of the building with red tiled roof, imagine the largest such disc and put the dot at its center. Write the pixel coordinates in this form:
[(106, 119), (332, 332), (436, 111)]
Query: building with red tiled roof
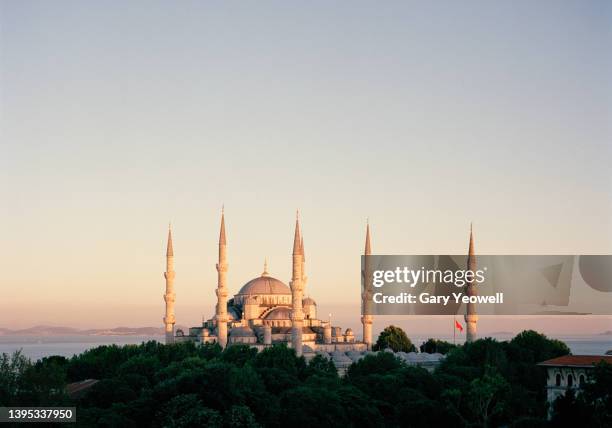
[(569, 372)]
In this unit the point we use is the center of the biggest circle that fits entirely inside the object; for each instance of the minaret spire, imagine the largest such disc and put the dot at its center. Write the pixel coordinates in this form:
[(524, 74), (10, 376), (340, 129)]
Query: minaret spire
[(169, 296), (367, 318), (368, 246), (222, 266), (169, 249), (222, 237), (297, 289), (471, 318), (297, 238)]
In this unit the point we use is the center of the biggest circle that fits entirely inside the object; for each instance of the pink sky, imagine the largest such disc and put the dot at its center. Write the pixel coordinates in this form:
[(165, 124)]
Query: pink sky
[(424, 118)]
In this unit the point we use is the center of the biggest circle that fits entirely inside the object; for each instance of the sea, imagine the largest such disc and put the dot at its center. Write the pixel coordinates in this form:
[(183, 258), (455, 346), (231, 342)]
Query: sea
[(37, 347)]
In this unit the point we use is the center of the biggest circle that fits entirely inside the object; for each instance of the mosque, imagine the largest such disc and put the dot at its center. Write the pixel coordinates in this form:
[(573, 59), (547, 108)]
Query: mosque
[(266, 311)]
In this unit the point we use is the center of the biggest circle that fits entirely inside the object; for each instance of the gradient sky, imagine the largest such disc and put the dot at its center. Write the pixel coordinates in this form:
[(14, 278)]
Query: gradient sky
[(116, 117)]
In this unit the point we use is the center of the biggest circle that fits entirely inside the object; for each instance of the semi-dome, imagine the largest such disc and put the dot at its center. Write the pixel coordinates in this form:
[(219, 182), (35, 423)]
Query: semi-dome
[(280, 313), (264, 285)]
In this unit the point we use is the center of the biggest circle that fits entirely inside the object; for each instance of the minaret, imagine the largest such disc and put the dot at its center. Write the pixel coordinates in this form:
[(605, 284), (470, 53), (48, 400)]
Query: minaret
[(297, 314), (169, 319), (221, 310), (367, 317), (304, 277), (471, 318)]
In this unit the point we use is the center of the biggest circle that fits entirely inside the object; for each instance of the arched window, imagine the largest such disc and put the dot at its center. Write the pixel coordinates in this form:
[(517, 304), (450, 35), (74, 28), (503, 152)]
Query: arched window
[(570, 381), (581, 380), (558, 380)]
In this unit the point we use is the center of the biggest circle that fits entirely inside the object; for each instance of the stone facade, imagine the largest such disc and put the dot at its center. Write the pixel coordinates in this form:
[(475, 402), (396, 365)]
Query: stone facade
[(266, 311)]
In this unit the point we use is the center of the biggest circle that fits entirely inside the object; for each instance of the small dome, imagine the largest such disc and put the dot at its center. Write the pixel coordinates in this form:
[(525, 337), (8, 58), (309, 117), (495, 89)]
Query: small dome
[(264, 285), (348, 331), (242, 331), (279, 313), (308, 302)]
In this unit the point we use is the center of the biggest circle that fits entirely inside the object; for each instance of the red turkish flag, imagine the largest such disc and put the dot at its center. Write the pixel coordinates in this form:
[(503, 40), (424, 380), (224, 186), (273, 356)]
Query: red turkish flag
[(458, 326)]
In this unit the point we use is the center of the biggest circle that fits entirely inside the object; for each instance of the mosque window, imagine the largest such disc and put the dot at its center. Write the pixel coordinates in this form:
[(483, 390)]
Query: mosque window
[(581, 380), (570, 381), (558, 380)]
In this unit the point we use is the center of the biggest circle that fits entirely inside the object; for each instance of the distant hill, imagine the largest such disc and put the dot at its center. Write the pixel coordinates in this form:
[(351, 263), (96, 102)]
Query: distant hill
[(45, 330)]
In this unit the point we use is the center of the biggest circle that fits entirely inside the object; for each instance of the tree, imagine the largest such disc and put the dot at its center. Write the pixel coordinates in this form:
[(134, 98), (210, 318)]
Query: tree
[(109, 391), (590, 407), (12, 369), (571, 411), (485, 397), (431, 346), (538, 346), (240, 417), (381, 363), (523, 352), (143, 365), (394, 338), (184, 384), (311, 406), (280, 357), (188, 411), (239, 354), (321, 366)]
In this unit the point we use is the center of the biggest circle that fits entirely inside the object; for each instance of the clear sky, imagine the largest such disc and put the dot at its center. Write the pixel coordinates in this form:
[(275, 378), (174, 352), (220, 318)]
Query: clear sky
[(116, 117)]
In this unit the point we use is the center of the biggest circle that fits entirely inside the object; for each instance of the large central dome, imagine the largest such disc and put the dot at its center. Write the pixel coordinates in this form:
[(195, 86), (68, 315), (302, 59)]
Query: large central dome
[(264, 285)]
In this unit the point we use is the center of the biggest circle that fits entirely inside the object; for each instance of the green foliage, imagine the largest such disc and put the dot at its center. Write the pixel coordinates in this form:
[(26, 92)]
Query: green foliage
[(394, 338), (484, 383), (187, 410), (239, 354), (240, 417), (381, 363), (323, 367), (280, 357), (431, 346), (485, 397), (12, 370), (590, 407), (25, 384), (538, 346), (109, 391)]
